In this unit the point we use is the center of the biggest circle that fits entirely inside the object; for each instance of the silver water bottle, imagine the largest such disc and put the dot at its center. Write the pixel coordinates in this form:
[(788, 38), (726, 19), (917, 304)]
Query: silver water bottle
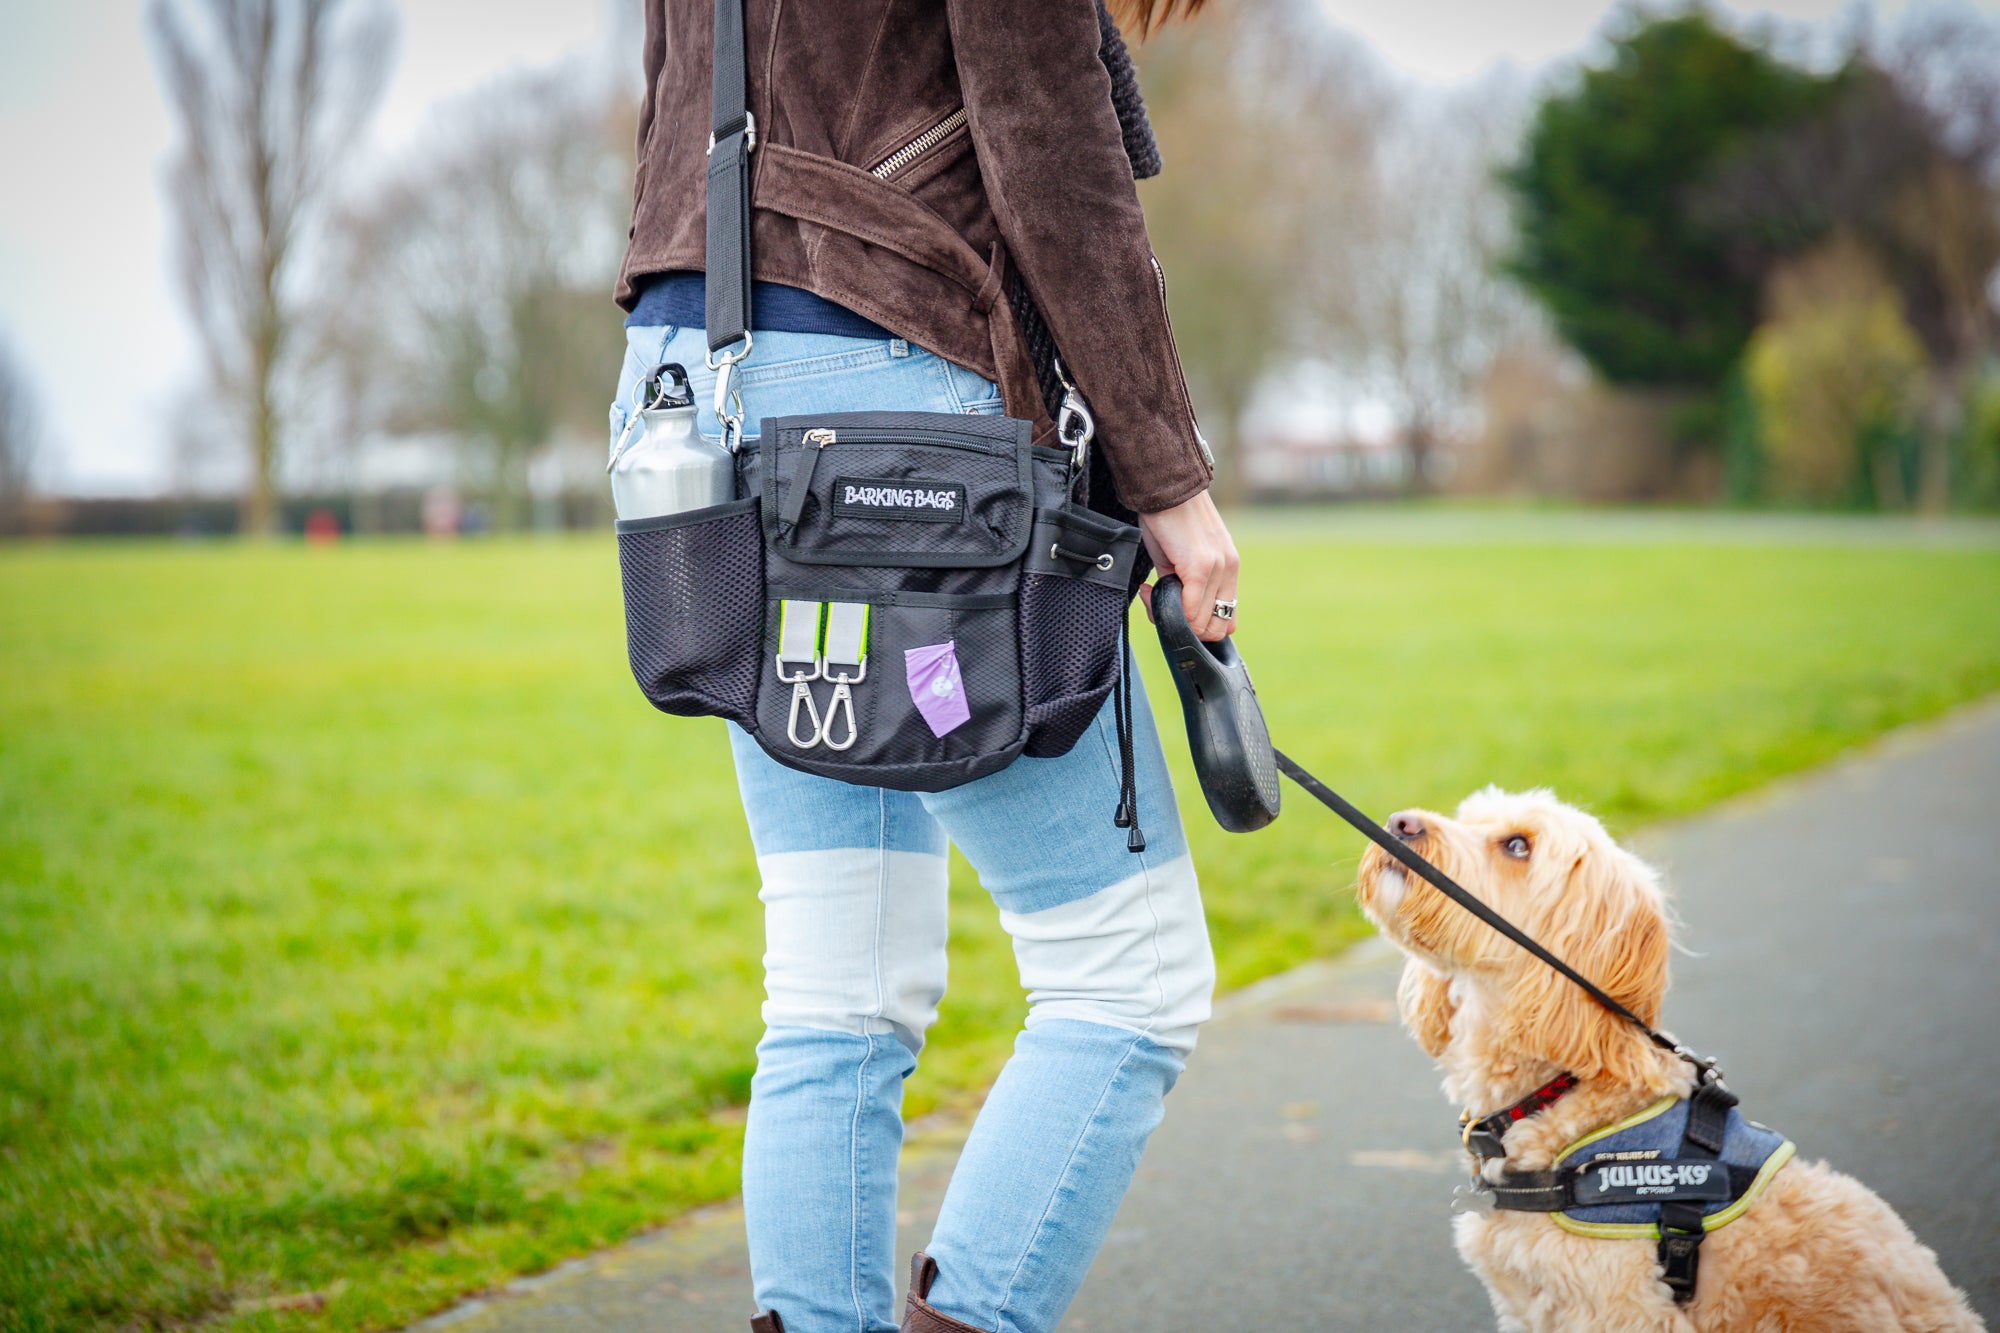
[(660, 464)]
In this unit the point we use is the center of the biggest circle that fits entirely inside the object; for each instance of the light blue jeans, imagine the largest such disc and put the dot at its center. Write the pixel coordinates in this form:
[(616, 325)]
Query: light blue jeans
[(1112, 948)]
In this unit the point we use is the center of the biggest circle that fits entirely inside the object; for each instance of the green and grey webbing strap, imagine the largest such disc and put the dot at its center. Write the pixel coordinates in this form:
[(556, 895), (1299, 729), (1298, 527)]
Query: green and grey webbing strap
[(845, 644), (800, 626), (818, 640), (799, 629), (844, 661)]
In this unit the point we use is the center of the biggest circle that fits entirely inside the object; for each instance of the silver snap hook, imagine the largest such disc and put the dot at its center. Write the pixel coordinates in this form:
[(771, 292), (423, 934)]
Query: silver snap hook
[(802, 700)]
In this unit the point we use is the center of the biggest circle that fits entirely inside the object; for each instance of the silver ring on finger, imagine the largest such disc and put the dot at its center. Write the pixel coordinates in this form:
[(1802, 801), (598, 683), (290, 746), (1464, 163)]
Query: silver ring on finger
[(1225, 609)]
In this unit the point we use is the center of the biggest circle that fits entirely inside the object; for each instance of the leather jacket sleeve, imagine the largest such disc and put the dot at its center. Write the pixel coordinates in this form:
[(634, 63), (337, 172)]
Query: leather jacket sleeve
[(1059, 181)]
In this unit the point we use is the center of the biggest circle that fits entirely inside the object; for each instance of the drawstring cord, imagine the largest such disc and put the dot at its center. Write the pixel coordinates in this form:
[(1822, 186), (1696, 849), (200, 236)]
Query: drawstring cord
[(1127, 815)]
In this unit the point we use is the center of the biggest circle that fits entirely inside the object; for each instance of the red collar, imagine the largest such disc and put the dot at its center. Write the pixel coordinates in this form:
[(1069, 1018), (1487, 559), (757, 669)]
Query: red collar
[(1483, 1137)]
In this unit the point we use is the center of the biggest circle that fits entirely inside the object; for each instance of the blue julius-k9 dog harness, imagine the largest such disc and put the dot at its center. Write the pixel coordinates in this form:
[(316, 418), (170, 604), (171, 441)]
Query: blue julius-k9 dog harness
[(1672, 1173)]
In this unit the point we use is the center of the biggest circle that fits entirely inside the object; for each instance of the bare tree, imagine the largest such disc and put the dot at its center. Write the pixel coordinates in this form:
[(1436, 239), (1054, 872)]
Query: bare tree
[(1265, 116), (478, 271), (1425, 313), (270, 96), (20, 435)]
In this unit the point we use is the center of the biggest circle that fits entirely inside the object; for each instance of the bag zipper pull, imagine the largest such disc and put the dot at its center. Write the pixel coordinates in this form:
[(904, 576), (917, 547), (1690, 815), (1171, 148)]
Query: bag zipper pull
[(817, 439)]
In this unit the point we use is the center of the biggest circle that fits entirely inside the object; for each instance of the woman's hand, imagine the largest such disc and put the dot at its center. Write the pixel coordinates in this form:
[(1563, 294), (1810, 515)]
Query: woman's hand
[(1192, 541)]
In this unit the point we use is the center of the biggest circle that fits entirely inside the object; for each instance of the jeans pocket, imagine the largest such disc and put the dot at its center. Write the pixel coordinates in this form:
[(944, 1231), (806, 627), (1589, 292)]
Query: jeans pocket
[(969, 392)]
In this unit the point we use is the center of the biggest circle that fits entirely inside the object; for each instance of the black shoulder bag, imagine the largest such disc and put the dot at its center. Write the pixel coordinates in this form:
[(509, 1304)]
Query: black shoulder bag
[(896, 599)]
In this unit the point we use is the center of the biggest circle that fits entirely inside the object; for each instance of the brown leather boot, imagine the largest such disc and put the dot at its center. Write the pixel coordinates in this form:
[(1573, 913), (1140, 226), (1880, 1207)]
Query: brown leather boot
[(767, 1322), (918, 1317)]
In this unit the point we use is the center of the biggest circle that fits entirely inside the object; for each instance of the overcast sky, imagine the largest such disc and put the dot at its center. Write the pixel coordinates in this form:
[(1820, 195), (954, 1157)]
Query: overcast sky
[(85, 298)]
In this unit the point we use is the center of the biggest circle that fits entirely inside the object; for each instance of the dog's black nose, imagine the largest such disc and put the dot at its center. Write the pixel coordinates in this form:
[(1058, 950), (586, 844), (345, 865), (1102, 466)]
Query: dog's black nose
[(1406, 826)]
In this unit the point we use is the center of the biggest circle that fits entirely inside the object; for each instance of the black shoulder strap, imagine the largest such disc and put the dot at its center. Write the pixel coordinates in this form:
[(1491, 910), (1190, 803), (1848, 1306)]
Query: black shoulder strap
[(734, 136)]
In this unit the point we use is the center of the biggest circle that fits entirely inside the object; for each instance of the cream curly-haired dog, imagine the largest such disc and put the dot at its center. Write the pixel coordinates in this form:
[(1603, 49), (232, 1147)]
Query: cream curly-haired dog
[(1815, 1250)]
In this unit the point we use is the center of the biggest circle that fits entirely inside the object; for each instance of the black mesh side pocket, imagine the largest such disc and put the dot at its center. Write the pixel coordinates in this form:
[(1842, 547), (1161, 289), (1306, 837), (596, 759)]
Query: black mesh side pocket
[(1069, 656), (694, 609)]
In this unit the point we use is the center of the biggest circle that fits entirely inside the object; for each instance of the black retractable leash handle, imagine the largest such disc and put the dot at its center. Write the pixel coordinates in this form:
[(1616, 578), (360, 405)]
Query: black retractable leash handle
[(1232, 750), (1238, 768)]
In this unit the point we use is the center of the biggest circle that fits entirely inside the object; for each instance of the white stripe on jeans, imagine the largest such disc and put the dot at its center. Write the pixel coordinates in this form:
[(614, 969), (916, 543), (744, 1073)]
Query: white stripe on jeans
[(854, 941), (1134, 955)]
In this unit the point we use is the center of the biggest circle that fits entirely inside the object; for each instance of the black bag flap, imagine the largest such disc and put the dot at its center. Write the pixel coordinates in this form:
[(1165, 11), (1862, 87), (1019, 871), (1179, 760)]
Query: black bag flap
[(920, 490)]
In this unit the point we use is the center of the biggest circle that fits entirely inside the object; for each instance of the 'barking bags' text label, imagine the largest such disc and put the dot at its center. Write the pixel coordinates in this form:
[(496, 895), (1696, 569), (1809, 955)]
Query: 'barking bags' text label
[(864, 497)]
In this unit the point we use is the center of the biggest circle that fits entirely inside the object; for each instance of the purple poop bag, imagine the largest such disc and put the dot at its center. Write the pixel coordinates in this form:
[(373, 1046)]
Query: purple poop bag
[(936, 688)]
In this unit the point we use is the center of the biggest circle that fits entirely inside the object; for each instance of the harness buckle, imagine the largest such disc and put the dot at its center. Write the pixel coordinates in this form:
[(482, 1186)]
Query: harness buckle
[(1679, 1253), (1482, 1143), (1481, 1146)]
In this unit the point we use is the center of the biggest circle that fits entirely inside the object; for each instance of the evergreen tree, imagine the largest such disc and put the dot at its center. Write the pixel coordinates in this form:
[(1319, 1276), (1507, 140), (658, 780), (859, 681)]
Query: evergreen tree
[(1609, 239)]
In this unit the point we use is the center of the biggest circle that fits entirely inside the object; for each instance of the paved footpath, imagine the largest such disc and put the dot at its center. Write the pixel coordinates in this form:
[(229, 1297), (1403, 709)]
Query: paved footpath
[(1845, 938)]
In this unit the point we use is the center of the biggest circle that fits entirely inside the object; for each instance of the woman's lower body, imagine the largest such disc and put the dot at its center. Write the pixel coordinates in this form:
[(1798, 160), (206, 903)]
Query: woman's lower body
[(1112, 948)]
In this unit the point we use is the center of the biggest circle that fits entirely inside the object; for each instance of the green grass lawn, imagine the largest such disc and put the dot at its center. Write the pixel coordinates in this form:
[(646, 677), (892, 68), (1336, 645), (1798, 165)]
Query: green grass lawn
[(363, 933)]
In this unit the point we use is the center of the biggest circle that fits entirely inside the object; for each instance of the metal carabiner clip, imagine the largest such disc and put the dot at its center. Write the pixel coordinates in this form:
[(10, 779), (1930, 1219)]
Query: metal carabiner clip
[(1075, 426), (728, 401), (802, 697), (842, 698)]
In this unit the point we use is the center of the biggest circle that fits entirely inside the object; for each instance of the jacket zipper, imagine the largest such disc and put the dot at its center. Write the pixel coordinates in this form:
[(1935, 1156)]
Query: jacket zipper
[(918, 146), (1187, 402)]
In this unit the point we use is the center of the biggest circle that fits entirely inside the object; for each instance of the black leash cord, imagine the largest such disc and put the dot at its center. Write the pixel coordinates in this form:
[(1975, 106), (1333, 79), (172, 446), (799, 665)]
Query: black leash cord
[(1444, 884)]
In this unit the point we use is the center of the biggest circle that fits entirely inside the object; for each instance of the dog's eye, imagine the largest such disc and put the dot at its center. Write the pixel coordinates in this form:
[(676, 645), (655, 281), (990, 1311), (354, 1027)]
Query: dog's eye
[(1516, 847)]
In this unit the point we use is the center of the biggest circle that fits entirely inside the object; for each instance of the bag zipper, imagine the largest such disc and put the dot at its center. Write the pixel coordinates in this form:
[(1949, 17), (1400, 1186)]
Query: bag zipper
[(918, 146), (819, 437), (822, 436)]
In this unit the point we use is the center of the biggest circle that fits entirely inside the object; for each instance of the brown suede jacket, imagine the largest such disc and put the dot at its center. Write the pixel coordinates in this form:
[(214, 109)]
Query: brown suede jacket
[(908, 151)]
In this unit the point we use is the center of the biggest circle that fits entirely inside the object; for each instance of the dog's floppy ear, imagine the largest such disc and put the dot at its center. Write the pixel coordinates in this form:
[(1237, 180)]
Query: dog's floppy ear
[(1609, 926), (1423, 997)]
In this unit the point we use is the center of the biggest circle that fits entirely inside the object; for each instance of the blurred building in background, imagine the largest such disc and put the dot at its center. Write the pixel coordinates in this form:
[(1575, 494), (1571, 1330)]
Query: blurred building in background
[(1288, 468)]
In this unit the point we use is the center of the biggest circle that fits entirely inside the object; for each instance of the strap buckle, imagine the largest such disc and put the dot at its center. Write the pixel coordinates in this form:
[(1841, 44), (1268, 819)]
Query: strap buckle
[(749, 133)]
